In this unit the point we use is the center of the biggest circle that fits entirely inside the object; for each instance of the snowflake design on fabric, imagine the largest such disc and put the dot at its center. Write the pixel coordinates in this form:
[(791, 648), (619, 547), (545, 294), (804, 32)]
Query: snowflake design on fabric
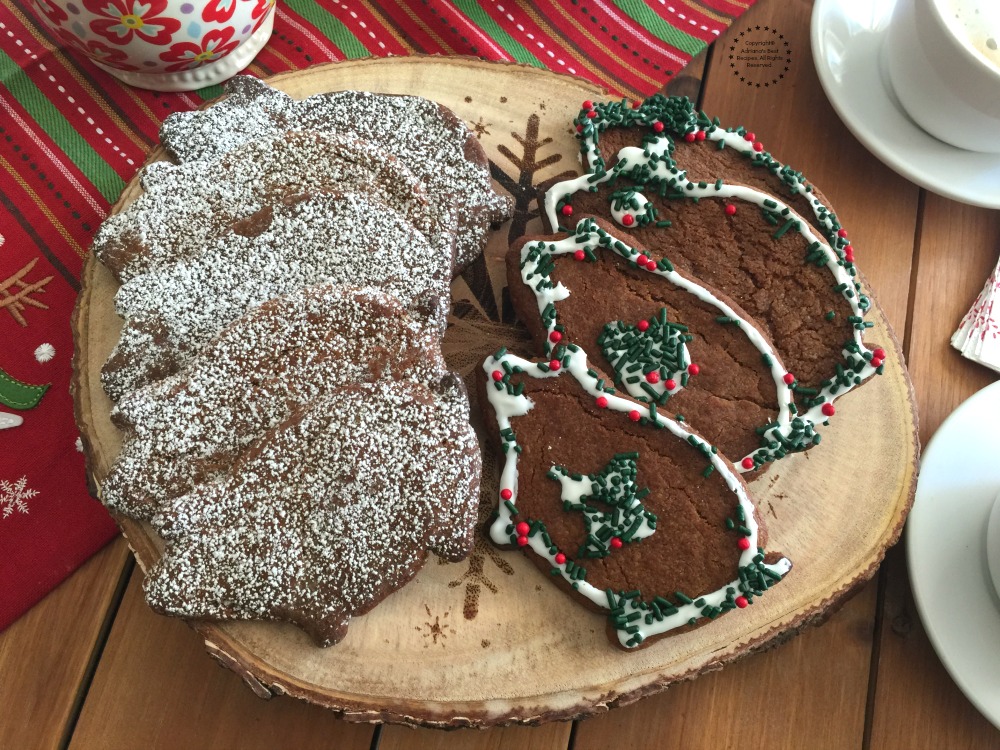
[(613, 486), (15, 496)]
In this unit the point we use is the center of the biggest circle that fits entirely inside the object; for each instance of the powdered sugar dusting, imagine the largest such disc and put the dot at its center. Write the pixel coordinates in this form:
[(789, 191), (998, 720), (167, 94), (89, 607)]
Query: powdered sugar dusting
[(188, 428), (428, 138), (314, 524), (172, 312)]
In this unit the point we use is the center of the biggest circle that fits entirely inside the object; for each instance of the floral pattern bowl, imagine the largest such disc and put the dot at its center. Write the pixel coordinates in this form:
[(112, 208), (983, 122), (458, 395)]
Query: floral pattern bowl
[(168, 45)]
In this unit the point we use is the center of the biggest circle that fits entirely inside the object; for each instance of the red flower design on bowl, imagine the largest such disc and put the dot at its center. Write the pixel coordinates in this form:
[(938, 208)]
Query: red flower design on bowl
[(215, 45), (120, 20)]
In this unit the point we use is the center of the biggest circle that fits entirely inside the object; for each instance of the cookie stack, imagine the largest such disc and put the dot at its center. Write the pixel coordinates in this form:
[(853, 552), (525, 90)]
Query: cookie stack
[(698, 300), (291, 429)]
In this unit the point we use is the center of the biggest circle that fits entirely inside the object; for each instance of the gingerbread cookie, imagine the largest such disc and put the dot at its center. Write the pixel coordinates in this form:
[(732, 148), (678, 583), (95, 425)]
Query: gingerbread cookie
[(187, 429), (719, 208), (664, 337), (633, 512), (326, 514), (171, 313), (425, 136)]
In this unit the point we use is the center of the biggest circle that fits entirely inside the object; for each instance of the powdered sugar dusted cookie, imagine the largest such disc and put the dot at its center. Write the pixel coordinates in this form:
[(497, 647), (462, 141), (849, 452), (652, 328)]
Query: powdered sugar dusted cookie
[(633, 512), (326, 514), (185, 207), (716, 205), (188, 429), (425, 136), (171, 313)]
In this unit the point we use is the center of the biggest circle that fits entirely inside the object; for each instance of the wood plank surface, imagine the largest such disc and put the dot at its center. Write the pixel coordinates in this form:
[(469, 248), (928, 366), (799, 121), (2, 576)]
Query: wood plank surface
[(914, 695), (156, 687), (45, 655), (545, 737)]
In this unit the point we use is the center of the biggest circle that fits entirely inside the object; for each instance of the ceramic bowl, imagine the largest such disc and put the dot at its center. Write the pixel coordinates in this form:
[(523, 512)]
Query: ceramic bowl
[(168, 45)]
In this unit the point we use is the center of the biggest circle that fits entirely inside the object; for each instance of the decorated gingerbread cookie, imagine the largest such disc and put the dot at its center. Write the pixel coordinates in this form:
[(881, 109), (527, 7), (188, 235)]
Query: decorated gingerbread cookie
[(664, 338), (632, 511), (328, 512), (424, 136), (716, 206)]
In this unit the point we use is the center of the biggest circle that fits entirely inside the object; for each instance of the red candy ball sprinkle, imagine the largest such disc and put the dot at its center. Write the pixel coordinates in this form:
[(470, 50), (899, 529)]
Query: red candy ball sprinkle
[(653, 377), (741, 602), (555, 364), (880, 353), (580, 255), (788, 378), (641, 260), (693, 369), (522, 529), (615, 543), (749, 137), (588, 104), (876, 362), (758, 147), (730, 209), (506, 494), (650, 265), (658, 127), (849, 253), (828, 409), (643, 325), (689, 137), (743, 543), (669, 384), (497, 375), (560, 558), (555, 337), (634, 415), (700, 135), (591, 114), (602, 402), (522, 541), (567, 210), (841, 232), (636, 105), (628, 220), (579, 128), (747, 463)]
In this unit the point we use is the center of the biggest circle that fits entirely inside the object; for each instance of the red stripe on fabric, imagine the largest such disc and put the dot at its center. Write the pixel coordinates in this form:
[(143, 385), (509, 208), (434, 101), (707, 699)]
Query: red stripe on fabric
[(476, 40), (371, 31), (690, 12), (625, 28), (418, 34), (733, 10), (372, 10), (530, 34), (290, 24), (588, 38)]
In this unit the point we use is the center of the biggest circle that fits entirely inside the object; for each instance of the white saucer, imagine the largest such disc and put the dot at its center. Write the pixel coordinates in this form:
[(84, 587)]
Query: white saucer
[(846, 41), (946, 548)]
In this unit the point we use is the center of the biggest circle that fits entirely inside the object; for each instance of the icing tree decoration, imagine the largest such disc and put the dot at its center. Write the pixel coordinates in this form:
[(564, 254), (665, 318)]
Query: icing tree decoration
[(19, 395), (793, 429), (615, 487), (15, 496), (651, 358), (634, 617), (630, 208)]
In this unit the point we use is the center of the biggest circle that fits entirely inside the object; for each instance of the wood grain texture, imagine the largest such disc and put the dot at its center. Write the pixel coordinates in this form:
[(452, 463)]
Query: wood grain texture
[(471, 671), (547, 737), (155, 688), (914, 695), (45, 655)]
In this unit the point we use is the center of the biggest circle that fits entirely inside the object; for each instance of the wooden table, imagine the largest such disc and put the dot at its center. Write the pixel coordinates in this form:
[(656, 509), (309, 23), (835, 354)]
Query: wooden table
[(92, 667)]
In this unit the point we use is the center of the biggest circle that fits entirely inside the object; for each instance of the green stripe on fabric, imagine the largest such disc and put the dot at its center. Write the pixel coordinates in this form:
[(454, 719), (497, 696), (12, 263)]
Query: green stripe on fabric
[(641, 13), (50, 119), (211, 92), (330, 26), (495, 32)]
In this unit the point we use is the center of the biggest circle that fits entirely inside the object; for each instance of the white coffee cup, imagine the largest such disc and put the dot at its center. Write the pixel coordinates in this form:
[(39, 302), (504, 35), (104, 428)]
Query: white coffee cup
[(945, 69)]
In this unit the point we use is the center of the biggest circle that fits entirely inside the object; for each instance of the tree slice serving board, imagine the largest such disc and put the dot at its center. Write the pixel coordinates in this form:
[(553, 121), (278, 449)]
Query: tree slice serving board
[(464, 644)]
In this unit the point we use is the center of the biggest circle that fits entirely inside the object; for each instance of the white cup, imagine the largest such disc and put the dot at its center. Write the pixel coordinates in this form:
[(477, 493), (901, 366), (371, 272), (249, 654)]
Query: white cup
[(944, 66)]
